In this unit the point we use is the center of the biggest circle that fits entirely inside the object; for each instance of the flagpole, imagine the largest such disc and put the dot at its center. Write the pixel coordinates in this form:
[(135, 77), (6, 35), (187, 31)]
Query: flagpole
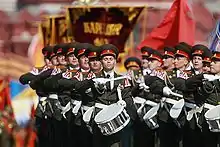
[(131, 43), (144, 24)]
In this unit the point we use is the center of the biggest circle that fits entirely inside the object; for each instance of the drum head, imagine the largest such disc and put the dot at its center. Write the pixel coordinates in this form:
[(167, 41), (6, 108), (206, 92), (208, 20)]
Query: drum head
[(152, 112), (176, 109), (87, 115), (108, 113), (213, 113)]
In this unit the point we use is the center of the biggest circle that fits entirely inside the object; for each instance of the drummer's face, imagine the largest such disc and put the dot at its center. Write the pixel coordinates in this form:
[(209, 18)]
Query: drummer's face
[(108, 63), (215, 67)]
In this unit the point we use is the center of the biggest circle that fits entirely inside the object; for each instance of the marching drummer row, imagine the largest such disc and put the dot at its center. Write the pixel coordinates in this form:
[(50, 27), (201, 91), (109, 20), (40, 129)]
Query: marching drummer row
[(83, 98)]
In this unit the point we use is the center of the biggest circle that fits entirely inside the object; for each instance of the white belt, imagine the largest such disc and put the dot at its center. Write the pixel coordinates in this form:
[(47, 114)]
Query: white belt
[(187, 104), (85, 108), (53, 96), (100, 106)]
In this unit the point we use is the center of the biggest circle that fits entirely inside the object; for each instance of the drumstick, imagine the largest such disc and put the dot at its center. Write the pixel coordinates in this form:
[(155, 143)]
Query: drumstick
[(115, 79), (105, 80), (176, 94)]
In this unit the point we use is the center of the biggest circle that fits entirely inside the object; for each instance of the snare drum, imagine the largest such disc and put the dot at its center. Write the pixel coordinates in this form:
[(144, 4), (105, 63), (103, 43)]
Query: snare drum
[(212, 117), (176, 110), (112, 119)]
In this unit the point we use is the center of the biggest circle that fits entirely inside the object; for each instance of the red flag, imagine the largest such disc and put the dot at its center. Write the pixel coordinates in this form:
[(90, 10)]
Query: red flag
[(5, 100), (32, 112), (177, 26)]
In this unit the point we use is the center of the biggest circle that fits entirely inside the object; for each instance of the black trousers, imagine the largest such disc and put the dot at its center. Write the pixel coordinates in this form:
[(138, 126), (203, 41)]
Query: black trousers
[(192, 136), (43, 127), (122, 138), (143, 135), (169, 134), (210, 139)]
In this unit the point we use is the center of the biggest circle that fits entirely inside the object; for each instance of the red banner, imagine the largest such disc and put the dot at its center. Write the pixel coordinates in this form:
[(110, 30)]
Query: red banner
[(100, 25), (45, 28), (4, 94), (60, 30)]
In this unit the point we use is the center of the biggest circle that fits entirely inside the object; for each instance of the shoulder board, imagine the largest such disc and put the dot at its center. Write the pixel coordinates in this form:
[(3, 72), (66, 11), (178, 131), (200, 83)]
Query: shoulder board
[(67, 75), (61, 66), (73, 70)]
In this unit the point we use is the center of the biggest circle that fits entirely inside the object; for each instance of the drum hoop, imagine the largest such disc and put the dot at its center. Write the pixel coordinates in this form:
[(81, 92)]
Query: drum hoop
[(212, 119), (119, 128), (209, 112), (104, 121)]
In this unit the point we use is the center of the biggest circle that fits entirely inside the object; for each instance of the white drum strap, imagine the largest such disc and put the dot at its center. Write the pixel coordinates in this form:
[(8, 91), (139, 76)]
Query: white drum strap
[(84, 108), (42, 104), (76, 106), (121, 101), (119, 92), (66, 109)]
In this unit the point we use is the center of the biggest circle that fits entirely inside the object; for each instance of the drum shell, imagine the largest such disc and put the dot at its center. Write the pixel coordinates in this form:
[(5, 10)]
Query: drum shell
[(115, 124)]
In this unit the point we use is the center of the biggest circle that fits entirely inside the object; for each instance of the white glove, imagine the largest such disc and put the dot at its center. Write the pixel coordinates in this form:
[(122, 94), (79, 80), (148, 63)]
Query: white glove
[(122, 103), (143, 86), (167, 91), (211, 77)]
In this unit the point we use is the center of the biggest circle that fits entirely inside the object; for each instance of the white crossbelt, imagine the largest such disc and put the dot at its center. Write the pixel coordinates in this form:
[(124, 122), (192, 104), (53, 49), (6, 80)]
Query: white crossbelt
[(85, 108)]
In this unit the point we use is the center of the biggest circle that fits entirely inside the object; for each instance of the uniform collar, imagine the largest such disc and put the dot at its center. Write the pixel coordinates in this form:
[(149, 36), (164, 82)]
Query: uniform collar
[(83, 70), (110, 73)]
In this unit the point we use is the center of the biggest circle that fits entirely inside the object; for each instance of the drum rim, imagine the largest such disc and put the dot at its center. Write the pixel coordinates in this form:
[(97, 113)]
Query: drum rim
[(107, 120), (119, 128), (207, 118)]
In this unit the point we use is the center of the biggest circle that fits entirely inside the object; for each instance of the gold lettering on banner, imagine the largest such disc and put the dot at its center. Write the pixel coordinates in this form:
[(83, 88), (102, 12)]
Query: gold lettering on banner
[(113, 29), (100, 41), (102, 28), (62, 27)]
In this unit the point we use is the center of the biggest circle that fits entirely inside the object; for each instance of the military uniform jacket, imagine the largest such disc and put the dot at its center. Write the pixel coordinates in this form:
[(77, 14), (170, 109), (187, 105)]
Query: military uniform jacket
[(155, 89), (110, 96)]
